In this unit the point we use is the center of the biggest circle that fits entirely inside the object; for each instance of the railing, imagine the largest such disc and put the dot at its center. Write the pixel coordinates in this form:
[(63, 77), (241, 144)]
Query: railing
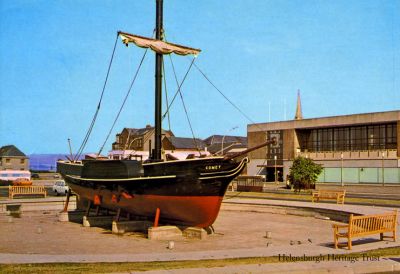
[(249, 183)]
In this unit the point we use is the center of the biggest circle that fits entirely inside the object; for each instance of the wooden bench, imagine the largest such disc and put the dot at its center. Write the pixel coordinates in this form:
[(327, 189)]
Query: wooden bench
[(337, 195), (360, 226), (26, 190)]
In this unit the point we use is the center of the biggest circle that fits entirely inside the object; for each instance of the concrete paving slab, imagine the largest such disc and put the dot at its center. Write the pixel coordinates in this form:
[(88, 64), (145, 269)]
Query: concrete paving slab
[(130, 226), (166, 232), (100, 221), (194, 233)]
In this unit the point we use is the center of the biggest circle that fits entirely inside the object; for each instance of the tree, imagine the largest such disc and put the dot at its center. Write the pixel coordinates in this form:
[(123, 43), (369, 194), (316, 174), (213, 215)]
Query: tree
[(304, 173)]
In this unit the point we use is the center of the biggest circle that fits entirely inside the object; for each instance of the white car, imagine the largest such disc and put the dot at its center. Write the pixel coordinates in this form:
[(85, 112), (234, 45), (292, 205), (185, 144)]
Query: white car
[(60, 187)]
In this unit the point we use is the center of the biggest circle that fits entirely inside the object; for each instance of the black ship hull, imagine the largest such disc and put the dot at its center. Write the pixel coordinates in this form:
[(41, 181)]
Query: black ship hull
[(187, 192)]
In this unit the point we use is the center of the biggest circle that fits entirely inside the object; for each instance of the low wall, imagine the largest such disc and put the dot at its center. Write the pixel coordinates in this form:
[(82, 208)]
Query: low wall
[(39, 204)]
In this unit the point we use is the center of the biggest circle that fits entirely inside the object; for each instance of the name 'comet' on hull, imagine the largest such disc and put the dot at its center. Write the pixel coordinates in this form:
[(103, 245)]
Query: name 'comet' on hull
[(186, 192)]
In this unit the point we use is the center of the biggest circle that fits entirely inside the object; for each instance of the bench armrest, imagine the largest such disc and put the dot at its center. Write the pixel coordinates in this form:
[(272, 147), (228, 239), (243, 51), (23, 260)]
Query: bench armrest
[(338, 226)]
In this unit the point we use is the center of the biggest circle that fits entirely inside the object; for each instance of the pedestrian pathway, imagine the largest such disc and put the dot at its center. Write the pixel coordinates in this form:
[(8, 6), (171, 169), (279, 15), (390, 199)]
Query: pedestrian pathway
[(310, 250)]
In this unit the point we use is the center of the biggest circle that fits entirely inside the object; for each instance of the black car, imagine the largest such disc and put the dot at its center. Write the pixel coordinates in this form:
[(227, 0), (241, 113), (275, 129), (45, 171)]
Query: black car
[(35, 176)]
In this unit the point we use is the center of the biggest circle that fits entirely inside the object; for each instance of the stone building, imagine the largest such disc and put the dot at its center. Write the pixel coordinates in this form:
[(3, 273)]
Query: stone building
[(139, 139), (14, 164), (11, 158)]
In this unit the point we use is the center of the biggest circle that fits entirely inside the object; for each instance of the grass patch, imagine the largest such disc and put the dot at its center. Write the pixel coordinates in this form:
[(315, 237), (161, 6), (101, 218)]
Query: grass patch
[(145, 266)]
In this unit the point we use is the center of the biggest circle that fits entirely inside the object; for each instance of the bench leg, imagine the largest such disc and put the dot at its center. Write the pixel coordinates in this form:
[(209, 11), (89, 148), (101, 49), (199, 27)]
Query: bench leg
[(349, 243), (335, 238)]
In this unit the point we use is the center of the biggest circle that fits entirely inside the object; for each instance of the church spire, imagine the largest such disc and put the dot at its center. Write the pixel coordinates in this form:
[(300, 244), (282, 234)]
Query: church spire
[(299, 114)]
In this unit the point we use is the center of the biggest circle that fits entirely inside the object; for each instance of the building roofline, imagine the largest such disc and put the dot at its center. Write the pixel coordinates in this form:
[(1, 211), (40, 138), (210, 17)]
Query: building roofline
[(329, 121)]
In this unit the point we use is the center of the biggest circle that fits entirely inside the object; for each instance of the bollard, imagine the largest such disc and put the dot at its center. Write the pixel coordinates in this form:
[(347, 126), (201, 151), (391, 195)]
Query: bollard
[(157, 217), (268, 235), (171, 245)]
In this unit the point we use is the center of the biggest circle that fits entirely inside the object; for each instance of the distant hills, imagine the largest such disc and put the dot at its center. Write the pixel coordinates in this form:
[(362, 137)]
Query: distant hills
[(45, 162)]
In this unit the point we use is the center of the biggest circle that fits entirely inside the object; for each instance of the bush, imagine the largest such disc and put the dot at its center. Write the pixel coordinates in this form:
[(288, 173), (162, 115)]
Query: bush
[(304, 173)]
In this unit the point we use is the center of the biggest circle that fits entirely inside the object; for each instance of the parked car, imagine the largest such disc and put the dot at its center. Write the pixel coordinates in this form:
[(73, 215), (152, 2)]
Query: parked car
[(35, 176), (60, 187), (22, 182)]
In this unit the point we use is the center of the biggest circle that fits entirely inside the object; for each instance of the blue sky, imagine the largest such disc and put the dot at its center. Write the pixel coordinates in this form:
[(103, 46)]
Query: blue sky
[(343, 56)]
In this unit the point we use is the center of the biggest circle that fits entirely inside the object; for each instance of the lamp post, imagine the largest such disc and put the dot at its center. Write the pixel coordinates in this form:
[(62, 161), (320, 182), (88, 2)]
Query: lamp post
[(129, 146), (341, 169), (276, 179), (383, 169), (223, 138)]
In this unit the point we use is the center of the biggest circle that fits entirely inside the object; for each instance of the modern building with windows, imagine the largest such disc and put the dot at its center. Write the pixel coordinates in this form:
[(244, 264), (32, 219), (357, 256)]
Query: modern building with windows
[(357, 148)]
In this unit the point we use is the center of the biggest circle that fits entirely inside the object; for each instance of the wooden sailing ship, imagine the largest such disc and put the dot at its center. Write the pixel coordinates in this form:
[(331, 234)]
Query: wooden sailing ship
[(187, 192)]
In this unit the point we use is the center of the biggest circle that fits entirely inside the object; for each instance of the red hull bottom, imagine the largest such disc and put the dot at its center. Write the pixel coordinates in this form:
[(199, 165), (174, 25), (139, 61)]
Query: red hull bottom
[(197, 211)]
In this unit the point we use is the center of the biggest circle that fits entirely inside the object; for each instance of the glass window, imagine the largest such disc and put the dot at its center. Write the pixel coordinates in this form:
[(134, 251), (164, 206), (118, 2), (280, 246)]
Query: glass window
[(367, 137)]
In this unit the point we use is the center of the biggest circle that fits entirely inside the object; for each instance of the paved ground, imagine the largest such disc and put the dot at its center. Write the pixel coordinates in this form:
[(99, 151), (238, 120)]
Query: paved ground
[(240, 232)]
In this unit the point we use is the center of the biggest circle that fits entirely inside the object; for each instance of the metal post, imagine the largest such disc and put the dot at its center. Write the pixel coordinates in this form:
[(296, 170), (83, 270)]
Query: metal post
[(70, 149), (383, 168), (222, 145), (223, 139), (67, 201), (341, 169), (157, 217), (276, 179)]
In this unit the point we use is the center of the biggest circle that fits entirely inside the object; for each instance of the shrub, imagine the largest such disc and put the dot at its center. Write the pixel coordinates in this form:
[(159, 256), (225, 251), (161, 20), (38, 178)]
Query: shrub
[(304, 173)]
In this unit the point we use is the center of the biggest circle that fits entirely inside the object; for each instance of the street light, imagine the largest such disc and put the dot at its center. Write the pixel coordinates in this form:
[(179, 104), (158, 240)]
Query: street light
[(127, 147), (223, 138), (276, 181), (341, 169), (383, 169)]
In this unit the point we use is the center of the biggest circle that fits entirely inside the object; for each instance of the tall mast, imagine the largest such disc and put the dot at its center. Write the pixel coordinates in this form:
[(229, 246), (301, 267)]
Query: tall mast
[(158, 83)]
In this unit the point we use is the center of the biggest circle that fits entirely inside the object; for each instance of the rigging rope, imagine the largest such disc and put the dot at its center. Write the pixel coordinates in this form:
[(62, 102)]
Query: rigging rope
[(123, 103), (205, 76), (184, 105), (85, 140), (179, 88), (248, 118)]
